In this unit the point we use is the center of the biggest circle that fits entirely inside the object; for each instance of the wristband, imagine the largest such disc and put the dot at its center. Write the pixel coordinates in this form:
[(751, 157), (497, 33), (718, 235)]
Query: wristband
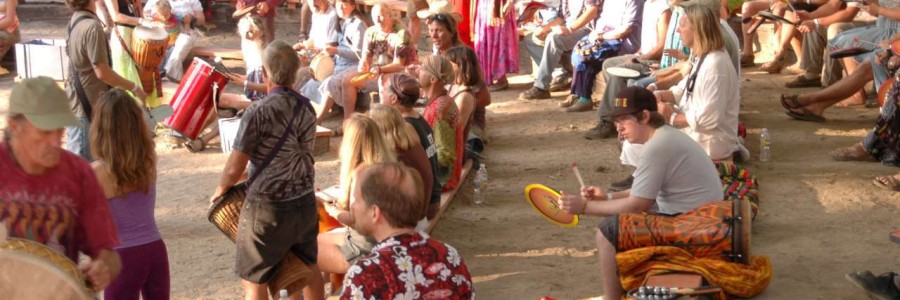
[(245, 83), (817, 23), (584, 207), (672, 118), (134, 88), (609, 196)]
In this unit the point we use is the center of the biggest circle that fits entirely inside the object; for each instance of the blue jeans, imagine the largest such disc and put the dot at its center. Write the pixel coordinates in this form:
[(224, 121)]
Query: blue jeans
[(547, 56), (77, 139)]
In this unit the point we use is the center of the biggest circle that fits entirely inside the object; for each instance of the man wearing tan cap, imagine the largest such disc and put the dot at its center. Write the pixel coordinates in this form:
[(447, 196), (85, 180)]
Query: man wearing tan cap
[(36, 174), (675, 176)]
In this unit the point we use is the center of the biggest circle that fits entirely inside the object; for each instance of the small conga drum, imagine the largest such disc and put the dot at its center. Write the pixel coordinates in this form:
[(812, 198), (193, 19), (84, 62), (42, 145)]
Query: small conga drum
[(326, 222), (719, 228), (31, 270), (225, 214), (148, 46), (322, 66), (192, 102)]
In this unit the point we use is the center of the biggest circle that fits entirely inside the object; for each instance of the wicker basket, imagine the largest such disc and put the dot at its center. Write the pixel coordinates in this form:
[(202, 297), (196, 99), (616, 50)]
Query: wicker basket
[(35, 271)]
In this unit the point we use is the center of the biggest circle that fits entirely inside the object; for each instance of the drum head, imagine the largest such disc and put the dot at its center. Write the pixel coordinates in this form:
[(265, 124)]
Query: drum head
[(741, 236), (771, 16), (150, 33), (322, 66), (895, 47), (543, 200), (623, 72), (847, 52)]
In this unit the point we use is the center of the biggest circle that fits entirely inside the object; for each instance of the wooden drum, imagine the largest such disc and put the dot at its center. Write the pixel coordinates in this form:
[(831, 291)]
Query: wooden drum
[(225, 214), (148, 45), (34, 271)]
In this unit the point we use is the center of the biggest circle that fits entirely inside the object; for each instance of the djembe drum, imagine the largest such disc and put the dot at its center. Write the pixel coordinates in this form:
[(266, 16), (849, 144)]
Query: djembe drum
[(225, 214), (148, 46), (718, 228), (31, 270)]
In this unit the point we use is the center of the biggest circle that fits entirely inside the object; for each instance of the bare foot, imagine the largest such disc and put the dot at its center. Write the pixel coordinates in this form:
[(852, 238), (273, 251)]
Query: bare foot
[(3, 71)]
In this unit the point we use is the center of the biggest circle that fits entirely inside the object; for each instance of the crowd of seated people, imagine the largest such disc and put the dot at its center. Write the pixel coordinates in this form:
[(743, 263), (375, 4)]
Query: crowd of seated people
[(682, 108)]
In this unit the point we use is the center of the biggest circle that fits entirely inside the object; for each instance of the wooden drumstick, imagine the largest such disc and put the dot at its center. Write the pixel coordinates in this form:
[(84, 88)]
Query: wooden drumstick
[(578, 174)]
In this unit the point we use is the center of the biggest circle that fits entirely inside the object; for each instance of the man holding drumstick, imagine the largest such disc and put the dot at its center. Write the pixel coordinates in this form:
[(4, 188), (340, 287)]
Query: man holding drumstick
[(36, 174), (675, 176)]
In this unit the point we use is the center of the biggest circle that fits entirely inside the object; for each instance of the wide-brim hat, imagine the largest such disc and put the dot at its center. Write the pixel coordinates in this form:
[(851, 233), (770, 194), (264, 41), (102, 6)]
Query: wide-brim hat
[(439, 7)]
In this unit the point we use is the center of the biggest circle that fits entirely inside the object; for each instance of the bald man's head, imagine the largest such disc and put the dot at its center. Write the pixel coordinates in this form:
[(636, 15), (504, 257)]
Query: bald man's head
[(396, 189)]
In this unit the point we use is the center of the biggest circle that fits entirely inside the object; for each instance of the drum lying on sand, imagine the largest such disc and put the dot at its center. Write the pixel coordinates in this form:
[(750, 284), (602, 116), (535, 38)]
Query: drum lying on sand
[(225, 214), (718, 228), (31, 270), (544, 200), (193, 100)]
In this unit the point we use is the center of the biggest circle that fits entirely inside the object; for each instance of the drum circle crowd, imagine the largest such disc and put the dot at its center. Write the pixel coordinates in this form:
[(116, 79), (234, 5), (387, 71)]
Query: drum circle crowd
[(672, 73)]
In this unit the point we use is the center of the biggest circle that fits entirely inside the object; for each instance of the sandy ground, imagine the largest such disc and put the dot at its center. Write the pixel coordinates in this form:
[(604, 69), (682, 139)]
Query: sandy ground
[(819, 219)]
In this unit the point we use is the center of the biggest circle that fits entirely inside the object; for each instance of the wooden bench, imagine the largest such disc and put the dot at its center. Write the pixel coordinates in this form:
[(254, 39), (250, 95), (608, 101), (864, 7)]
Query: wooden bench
[(224, 53), (323, 140), (447, 197)]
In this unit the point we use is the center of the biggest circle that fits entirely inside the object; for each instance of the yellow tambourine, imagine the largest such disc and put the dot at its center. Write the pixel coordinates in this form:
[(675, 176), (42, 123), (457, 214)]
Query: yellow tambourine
[(544, 200)]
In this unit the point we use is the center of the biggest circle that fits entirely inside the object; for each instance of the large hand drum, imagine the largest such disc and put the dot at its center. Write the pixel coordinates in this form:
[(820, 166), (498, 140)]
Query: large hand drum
[(322, 66), (193, 100), (148, 46), (31, 270), (544, 200), (225, 214)]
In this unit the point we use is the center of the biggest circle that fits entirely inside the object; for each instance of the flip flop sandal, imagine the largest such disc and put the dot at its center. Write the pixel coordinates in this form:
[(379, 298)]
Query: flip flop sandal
[(895, 236), (774, 67), (195, 146), (888, 183), (802, 82), (790, 102), (747, 61), (805, 115)]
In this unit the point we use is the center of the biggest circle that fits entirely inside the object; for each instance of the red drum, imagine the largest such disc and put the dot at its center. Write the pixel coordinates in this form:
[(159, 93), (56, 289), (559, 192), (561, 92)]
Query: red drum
[(718, 228), (193, 100)]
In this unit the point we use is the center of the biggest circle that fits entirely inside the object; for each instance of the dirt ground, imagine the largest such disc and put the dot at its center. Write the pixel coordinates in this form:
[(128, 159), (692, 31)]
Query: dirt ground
[(819, 219)]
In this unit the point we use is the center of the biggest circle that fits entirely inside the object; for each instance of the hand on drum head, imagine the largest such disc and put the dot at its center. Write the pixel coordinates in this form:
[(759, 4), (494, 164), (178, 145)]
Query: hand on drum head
[(571, 204), (99, 271)]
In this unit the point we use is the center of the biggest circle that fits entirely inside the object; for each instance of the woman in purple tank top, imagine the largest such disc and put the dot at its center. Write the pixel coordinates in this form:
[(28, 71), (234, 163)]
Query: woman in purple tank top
[(126, 168)]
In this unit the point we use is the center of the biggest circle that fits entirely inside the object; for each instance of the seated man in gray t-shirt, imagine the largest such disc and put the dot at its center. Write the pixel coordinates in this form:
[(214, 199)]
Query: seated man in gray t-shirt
[(675, 176)]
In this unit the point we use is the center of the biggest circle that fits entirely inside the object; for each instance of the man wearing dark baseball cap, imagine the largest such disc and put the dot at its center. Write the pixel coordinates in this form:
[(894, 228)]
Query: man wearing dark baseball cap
[(38, 175), (674, 176)]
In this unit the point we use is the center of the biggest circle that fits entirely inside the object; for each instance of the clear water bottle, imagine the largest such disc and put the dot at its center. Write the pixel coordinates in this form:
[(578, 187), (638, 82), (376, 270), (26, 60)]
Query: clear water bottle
[(283, 295), (481, 179), (764, 142)]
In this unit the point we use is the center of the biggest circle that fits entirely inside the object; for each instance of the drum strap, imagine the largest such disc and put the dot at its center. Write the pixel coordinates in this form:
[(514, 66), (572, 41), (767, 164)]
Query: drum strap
[(76, 79), (300, 104), (692, 79)]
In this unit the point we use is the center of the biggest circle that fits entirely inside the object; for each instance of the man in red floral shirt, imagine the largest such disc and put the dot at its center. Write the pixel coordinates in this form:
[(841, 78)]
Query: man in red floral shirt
[(405, 264)]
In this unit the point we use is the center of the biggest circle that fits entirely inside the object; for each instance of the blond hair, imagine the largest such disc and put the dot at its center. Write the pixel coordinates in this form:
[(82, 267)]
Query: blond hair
[(707, 35), (120, 138), (362, 145), (394, 129)]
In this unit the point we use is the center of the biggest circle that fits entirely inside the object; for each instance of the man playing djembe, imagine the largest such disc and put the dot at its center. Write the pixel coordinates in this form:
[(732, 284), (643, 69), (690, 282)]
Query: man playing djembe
[(675, 176)]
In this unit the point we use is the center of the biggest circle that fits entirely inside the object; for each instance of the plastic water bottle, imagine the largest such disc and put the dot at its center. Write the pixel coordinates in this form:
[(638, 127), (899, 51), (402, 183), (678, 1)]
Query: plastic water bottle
[(481, 179), (283, 295), (764, 142)]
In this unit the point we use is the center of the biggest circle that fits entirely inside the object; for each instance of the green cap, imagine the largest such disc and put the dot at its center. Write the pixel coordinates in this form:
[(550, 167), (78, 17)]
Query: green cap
[(43, 103)]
